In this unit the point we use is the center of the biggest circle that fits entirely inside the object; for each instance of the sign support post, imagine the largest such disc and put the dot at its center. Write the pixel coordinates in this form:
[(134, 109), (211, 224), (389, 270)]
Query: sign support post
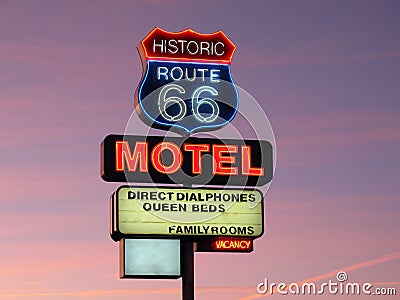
[(187, 265), (187, 253)]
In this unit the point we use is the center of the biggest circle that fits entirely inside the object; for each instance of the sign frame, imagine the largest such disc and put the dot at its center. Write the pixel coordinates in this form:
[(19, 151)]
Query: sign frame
[(122, 261), (261, 156), (116, 235), (180, 58)]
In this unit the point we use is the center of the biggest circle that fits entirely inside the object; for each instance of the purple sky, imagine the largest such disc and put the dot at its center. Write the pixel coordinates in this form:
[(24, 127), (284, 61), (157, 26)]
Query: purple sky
[(327, 73)]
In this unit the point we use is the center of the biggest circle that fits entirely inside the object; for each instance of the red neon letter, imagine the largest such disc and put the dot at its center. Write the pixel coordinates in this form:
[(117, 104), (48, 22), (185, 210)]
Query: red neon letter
[(176, 157), (218, 151), (247, 169), (196, 156), (123, 154)]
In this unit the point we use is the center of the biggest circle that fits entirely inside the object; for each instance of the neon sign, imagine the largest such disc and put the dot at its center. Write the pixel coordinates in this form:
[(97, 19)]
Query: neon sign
[(191, 160), (225, 244), (186, 84)]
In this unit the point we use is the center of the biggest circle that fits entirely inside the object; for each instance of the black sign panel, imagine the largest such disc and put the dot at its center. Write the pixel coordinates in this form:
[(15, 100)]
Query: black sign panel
[(154, 159)]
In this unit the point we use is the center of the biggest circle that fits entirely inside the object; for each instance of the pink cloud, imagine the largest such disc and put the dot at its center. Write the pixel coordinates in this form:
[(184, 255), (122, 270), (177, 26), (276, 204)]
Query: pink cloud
[(125, 292), (315, 138), (305, 54), (48, 182), (60, 93)]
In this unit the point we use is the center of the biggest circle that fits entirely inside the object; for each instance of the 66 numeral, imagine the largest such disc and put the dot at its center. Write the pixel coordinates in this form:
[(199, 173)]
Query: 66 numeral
[(164, 102)]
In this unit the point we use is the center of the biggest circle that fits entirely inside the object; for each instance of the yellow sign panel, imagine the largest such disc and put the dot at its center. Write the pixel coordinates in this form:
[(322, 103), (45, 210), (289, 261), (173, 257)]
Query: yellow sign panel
[(160, 211)]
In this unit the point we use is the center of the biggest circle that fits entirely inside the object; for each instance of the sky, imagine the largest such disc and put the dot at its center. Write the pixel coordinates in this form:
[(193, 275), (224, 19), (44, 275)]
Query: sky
[(326, 73)]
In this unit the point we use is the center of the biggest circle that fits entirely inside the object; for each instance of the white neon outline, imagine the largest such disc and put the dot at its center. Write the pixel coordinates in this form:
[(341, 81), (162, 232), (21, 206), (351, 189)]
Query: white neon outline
[(196, 103), (162, 98), (212, 127)]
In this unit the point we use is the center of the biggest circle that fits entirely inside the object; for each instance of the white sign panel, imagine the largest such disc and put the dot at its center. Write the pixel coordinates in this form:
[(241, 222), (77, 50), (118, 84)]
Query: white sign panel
[(160, 211), (152, 258)]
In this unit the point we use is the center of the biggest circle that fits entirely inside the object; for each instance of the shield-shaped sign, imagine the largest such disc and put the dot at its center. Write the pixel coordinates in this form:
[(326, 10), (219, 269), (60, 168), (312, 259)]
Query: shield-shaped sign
[(186, 83)]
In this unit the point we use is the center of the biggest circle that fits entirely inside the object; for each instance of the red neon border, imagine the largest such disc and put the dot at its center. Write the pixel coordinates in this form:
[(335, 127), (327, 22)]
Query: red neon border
[(148, 57)]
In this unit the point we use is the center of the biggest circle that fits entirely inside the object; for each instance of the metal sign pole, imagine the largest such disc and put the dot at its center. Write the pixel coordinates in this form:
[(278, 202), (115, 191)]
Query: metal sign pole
[(187, 264), (187, 253)]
